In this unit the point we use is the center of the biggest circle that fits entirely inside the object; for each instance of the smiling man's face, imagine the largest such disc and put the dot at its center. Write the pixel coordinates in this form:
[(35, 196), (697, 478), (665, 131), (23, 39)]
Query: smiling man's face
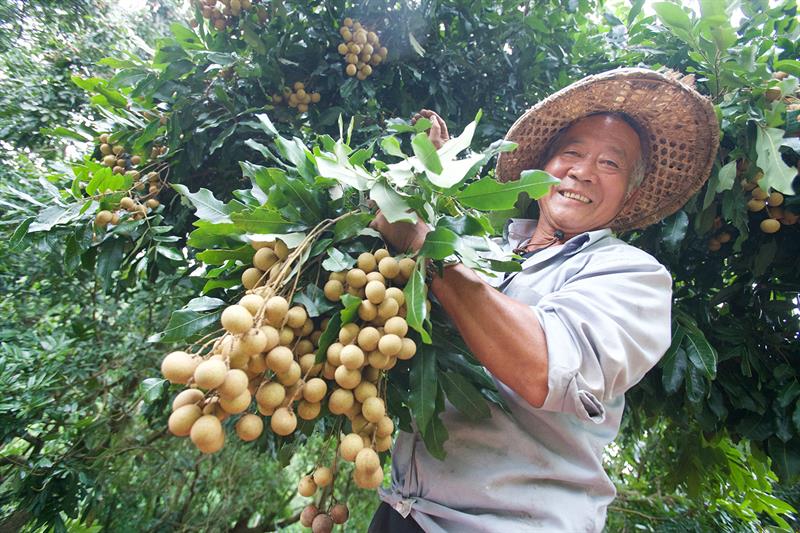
[(594, 159)]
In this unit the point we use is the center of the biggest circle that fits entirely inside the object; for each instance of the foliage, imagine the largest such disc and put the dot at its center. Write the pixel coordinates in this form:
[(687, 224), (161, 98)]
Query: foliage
[(709, 424)]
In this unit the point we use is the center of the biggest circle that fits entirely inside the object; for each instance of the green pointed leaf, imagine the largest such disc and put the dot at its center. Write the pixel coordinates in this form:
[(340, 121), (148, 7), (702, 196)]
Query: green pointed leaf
[(777, 174), (328, 337), (505, 266), (455, 172), (426, 153), (185, 324), (424, 386), (219, 257), (488, 194), (350, 312), (440, 243), (674, 231), (464, 396), (151, 389), (337, 261), (414, 292), (434, 438), (208, 207), (393, 206), (204, 303), (673, 371), (672, 15), (266, 124), (700, 352), (726, 177), (452, 147), (391, 146), (350, 226), (264, 219)]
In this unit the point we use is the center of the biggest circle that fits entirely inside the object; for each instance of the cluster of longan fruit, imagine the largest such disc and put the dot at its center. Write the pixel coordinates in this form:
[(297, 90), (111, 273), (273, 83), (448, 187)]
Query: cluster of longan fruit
[(297, 97), (772, 202), (361, 49), (321, 522), (117, 159), (219, 13)]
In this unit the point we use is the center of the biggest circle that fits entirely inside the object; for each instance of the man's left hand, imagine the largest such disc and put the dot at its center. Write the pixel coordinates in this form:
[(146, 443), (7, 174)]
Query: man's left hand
[(402, 236)]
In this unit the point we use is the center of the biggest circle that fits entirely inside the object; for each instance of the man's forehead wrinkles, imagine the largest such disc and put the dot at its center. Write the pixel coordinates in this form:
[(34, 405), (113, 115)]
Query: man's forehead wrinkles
[(613, 147)]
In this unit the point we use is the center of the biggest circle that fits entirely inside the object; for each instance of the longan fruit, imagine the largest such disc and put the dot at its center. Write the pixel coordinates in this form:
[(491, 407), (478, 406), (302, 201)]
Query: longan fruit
[(759, 194), (309, 366), (367, 311), (210, 374), (328, 371), (351, 70), (375, 291), (273, 337), (187, 397), (365, 390), (236, 319), (770, 225), (206, 431), (303, 108), (152, 203), (281, 250), (238, 404), (283, 422), (181, 420), (389, 267), (390, 344), (356, 278), (366, 69), (354, 411), (352, 357), (384, 427), (342, 49), (296, 317), (308, 410), (179, 367), (397, 326), (306, 487), (373, 409), (388, 308), (396, 294), (252, 302), (117, 149), (368, 338), (249, 427), (378, 359), (371, 374), (367, 460), (270, 395), (276, 309), (235, 383), (348, 333), (322, 523), (280, 359), (360, 76), (333, 290), (350, 445), (383, 52), (307, 516), (347, 378), (371, 480), (775, 199), (383, 444), (291, 376), (103, 138), (315, 390), (257, 364), (408, 349), (366, 262), (315, 98), (127, 203), (334, 354), (339, 513), (407, 266), (756, 205), (338, 276), (360, 424), (264, 258), (102, 218), (285, 336), (340, 401), (252, 342), (322, 476), (304, 347)]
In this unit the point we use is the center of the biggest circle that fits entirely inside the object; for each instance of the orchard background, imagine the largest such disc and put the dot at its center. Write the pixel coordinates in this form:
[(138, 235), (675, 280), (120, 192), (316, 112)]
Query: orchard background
[(711, 438)]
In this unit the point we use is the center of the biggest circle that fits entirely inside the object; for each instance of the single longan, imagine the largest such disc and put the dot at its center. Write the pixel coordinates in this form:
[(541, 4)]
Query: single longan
[(322, 523), (373, 409), (180, 422), (315, 390), (270, 395), (307, 516), (340, 401), (396, 294), (322, 476), (388, 308), (354, 411), (365, 390), (378, 360), (383, 444), (283, 422), (280, 359), (291, 376), (367, 311), (264, 258), (210, 374), (339, 513), (355, 278), (276, 309), (384, 427), (366, 262), (296, 317), (235, 383), (347, 378), (306, 487), (408, 349), (341, 277), (285, 336), (236, 319), (371, 480), (389, 267), (350, 445), (352, 357), (375, 291), (251, 302), (407, 266), (334, 354), (252, 342), (376, 276), (770, 225), (333, 290), (396, 326), (348, 333), (308, 410), (249, 427), (179, 367), (367, 460), (206, 430), (304, 347), (281, 250), (236, 405), (368, 338), (308, 365), (187, 397)]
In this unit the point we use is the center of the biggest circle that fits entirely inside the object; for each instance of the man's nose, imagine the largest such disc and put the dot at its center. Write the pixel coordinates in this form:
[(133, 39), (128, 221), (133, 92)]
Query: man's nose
[(582, 171)]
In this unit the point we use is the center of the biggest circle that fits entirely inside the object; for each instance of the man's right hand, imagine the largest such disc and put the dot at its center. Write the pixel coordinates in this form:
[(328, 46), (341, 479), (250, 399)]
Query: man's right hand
[(438, 133)]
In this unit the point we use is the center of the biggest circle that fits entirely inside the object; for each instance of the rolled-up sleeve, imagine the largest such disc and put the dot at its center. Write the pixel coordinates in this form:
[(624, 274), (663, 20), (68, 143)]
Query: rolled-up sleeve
[(605, 328)]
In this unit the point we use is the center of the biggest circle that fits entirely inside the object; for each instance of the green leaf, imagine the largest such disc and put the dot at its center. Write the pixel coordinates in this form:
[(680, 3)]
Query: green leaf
[(452, 147), (204, 303), (350, 312), (264, 219), (426, 153), (777, 174), (672, 16), (463, 225), (455, 172), (151, 389), (328, 337), (414, 292), (314, 300), (673, 370), (109, 260), (439, 243), (464, 396), (393, 206), (674, 231), (337, 261), (790, 66), (415, 45), (435, 437), (20, 231), (219, 257), (297, 193), (423, 386), (351, 226), (487, 194), (726, 177), (505, 266), (343, 171), (391, 146), (208, 207), (185, 324), (700, 352)]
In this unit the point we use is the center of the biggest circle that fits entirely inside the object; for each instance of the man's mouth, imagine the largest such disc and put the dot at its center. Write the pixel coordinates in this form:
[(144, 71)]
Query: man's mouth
[(575, 196)]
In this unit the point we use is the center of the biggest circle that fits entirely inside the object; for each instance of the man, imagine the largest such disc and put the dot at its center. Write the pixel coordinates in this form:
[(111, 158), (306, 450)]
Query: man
[(583, 321)]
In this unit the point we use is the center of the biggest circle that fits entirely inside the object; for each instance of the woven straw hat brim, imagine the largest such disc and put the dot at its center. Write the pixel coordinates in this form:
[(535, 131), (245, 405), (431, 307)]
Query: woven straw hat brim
[(681, 125)]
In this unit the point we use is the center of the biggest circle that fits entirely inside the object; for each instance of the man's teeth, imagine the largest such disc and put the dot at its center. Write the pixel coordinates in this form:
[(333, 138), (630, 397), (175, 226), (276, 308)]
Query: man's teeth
[(575, 196)]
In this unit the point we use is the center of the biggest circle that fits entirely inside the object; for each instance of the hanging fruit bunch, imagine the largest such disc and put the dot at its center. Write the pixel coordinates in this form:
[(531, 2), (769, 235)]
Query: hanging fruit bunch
[(772, 202), (221, 14), (142, 190), (328, 330), (296, 97), (361, 49)]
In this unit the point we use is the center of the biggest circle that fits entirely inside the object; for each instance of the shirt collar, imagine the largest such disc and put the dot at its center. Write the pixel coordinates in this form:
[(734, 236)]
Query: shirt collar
[(518, 230)]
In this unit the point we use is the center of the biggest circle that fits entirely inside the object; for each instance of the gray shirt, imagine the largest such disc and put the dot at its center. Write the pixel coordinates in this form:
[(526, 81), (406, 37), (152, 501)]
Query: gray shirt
[(605, 310)]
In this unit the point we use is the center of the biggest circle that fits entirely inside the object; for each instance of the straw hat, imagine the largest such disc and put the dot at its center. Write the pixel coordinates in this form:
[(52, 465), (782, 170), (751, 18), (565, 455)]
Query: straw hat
[(680, 123)]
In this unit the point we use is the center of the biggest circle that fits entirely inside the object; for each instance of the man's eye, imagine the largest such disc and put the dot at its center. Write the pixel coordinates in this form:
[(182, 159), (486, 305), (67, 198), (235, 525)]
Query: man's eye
[(570, 152), (610, 163)]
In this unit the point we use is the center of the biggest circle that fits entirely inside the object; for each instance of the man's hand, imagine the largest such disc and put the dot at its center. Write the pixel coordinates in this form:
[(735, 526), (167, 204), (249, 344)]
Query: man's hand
[(402, 236), (438, 133)]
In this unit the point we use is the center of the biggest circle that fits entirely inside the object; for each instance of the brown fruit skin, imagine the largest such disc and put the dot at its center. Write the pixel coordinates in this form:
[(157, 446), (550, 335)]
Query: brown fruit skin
[(187, 397), (206, 431), (179, 367), (237, 319), (249, 427), (181, 421), (323, 476), (210, 374), (307, 516), (283, 422), (770, 225), (322, 524), (339, 513), (235, 384)]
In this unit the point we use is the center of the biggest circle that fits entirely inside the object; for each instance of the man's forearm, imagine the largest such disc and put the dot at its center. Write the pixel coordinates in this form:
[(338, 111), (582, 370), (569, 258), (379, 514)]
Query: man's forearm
[(504, 334)]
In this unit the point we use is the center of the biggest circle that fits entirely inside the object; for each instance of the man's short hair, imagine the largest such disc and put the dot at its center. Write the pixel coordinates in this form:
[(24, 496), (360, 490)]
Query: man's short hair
[(639, 167)]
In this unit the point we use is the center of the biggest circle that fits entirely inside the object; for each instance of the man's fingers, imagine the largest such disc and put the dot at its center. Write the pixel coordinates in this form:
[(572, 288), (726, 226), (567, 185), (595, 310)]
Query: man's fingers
[(443, 127), (436, 130)]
